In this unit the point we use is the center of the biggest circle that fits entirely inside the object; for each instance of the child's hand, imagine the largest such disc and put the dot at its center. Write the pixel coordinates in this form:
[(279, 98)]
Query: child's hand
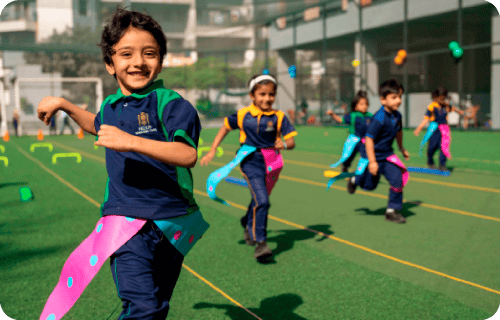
[(417, 132), (207, 158), (48, 107), (114, 138), (279, 145), (406, 154), (373, 168), (329, 112)]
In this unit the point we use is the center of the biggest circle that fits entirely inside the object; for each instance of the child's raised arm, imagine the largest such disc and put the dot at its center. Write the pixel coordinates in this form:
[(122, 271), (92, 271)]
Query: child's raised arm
[(334, 116), (48, 107), (421, 126)]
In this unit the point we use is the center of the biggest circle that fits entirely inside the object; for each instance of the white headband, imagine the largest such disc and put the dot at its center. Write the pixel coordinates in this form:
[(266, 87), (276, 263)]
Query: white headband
[(259, 79)]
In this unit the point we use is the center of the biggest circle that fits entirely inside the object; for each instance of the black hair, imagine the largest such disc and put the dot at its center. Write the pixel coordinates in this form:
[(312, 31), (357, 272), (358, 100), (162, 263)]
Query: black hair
[(360, 95), (390, 86), (123, 19), (263, 82), (440, 91)]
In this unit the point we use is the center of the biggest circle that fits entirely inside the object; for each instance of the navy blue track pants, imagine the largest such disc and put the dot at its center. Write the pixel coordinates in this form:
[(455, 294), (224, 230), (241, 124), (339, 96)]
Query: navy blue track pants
[(145, 270)]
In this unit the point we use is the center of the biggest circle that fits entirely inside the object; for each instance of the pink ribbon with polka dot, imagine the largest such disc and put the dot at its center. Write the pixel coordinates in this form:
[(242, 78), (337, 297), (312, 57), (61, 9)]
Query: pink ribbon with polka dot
[(404, 172), (274, 164), (445, 139), (110, 233)]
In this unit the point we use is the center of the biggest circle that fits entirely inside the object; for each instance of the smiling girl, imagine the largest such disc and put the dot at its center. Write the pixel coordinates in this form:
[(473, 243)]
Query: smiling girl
[(261, 130)]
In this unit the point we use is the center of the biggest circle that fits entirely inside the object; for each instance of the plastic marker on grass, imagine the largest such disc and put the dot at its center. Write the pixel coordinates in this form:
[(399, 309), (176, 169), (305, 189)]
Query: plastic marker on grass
[(2, 148), (219, 153), (429, 171), (67, 155), (26, 194), (5, 161), (330, 173), (41, 144)]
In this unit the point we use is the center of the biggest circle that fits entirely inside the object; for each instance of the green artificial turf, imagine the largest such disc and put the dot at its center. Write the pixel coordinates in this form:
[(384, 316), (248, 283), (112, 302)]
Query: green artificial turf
[(312, 277)]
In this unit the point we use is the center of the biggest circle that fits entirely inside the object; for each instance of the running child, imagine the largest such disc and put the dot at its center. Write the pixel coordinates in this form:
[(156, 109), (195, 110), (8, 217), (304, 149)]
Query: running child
[(261, 129), (358, 121), (378, 154), (438, 133), (150, 219)]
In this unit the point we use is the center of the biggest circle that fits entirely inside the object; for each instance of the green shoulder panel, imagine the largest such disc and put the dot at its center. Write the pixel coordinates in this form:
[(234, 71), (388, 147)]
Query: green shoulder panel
[(164, 96), (184, 176)]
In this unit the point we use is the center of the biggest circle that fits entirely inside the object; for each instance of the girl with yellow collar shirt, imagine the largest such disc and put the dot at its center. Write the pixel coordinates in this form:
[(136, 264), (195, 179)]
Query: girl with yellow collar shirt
[(261, 127)]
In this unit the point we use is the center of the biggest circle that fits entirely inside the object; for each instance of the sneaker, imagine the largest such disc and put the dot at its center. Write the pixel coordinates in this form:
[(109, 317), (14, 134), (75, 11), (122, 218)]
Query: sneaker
[(248, 240), (431, 166), (262, 251), (443, 168), (351, 185), (344, 168), (394, 216)]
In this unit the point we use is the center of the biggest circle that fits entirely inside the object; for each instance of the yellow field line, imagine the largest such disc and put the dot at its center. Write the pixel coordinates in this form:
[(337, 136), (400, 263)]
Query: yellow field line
[(338, 156), (453, 185), (86, 197), (375, 195), (349, 243), (55, 175), (220, 291)]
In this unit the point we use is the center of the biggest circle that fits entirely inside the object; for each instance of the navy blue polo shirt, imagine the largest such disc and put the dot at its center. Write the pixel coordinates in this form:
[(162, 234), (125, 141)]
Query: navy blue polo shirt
[(383, 129), (258, 128), (358, 122), (139, 186), (436, 112)]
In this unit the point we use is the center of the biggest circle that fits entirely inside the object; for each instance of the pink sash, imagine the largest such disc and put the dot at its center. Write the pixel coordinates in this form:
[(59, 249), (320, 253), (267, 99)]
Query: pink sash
[(445, 139), (406, 175), (110, 233), (274, 164)]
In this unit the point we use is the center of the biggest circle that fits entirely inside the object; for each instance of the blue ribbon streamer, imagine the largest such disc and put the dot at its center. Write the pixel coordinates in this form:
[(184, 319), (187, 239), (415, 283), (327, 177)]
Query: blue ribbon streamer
[(360, 168), (349, 146), (218, 175), (430, 130)]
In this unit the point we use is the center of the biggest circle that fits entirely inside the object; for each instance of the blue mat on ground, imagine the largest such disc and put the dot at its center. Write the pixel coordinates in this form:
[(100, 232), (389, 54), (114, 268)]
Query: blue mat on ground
[(238, 181), (429, 171)]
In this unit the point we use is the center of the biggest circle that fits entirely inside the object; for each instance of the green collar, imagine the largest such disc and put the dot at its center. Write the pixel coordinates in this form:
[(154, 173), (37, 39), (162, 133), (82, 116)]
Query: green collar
[(158, 84)]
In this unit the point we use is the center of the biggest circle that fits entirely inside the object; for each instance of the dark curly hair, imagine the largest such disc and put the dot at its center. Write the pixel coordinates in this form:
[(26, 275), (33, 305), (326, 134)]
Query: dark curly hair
[(123, 19), (440, 91), (390, 86)]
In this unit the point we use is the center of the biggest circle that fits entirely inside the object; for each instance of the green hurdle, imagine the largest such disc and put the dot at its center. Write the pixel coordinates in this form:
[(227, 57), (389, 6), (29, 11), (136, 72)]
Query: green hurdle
[(5, 161), (219, 152), (2, 148), (67, 155), (41, 144)]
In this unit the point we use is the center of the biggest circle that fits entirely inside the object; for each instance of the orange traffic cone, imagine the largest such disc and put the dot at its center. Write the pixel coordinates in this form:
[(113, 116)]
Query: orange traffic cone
[(80, 133), (6, 136), (40, 134)]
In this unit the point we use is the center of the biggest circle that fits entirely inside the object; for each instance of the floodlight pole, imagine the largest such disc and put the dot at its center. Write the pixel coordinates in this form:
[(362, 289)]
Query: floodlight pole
[(405, 67)]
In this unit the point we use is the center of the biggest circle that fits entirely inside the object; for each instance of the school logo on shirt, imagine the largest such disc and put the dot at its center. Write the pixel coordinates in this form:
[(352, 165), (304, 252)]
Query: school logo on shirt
[(144, 126), (270, 126)]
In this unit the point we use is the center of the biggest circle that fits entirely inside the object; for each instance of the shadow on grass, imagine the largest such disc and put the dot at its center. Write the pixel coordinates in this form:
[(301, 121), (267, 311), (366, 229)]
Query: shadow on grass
[(12, 258), (9, 184), (279, 307), (405, 212), (286, 238)]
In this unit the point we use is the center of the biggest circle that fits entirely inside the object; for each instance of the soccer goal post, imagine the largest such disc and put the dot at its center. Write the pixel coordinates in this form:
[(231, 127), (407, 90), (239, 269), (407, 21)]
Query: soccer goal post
[(17, 97)]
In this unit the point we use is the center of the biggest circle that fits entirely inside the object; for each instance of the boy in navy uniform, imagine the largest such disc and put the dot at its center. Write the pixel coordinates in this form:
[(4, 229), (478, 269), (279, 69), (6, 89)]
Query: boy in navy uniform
[(384, 127), (151, 135)]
